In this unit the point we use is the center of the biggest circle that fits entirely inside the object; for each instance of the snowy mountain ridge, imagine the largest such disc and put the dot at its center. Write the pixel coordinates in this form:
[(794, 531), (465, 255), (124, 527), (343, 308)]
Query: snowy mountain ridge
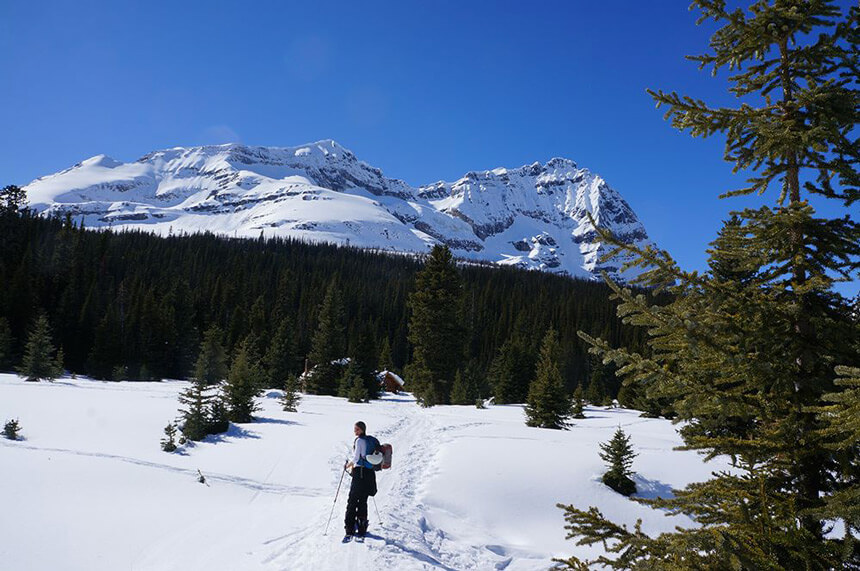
[(535, 216)]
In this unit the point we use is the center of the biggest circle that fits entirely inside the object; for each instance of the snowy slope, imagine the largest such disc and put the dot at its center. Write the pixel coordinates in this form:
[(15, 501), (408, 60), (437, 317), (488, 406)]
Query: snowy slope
[(89, 489), (534, 216)]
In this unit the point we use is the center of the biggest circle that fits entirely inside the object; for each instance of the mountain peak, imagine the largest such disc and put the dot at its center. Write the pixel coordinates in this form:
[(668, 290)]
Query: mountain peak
[(101, 161), (534, 216)]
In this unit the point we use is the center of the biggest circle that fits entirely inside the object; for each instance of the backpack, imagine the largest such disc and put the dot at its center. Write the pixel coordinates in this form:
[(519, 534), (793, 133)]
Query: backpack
[(373, 446)]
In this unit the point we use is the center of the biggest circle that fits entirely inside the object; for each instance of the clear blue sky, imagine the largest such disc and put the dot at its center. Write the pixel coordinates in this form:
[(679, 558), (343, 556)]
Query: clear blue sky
[(425, 91)]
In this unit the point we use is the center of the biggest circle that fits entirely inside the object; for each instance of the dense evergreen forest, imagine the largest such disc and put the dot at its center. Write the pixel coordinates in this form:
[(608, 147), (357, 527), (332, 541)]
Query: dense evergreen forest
[(132, 305)]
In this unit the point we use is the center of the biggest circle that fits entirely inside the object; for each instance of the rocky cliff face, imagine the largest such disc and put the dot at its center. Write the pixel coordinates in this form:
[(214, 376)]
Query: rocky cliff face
[(535, 216)]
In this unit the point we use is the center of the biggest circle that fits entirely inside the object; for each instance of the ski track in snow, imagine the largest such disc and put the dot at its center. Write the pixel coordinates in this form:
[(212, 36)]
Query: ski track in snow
[(404, 539), (255, 485)]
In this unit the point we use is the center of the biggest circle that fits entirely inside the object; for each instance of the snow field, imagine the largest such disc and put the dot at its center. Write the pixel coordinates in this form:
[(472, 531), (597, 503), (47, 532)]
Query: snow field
[(88, 488)]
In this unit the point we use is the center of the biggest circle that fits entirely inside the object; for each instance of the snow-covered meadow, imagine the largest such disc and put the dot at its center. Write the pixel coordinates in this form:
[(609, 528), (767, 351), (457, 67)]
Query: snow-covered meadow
[(88, 487)]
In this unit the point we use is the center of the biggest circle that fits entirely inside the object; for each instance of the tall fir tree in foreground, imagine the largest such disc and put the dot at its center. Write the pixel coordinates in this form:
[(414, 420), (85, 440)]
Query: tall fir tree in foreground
[(548, 405), (841, 418), (329, 344), (435, 328), (40, 358), (746, 352)]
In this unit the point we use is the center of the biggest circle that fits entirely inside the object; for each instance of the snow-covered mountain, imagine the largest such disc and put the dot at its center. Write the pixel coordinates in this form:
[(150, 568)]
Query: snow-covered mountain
[(534, 216)]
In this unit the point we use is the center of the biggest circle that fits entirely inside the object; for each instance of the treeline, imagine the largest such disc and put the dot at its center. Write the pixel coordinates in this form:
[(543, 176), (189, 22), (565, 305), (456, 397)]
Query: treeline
[(132, 305)]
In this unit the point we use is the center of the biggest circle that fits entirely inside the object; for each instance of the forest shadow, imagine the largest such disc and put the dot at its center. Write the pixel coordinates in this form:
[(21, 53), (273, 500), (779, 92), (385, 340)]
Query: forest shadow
[(266, 420), (652, 489)]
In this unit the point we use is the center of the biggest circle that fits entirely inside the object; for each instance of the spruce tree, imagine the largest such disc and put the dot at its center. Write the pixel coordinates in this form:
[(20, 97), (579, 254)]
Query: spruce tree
[(746, 352), (329, 344), (548, 405), (435, 328), (281, 356), (386, 362), (356, 390), (841, 418), (11, 429), (363, 363), (511, 372), (13, 200), (577, 408), (251, 343), (242, 385), (292, 397), (39, 354), (596, 393), (618, 455), (197, 400), (460, 393), (211, 367), (168, 443)]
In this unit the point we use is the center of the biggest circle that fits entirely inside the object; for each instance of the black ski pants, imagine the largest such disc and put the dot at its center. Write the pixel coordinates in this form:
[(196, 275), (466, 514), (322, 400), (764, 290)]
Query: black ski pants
[(363, 485)]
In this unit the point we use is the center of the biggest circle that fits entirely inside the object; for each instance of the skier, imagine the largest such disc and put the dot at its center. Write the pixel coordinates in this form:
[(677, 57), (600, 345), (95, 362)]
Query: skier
[(363, 485)]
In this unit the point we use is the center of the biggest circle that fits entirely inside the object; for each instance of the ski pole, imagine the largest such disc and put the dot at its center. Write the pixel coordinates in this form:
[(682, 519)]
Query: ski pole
[(342, 472), (379, 519)]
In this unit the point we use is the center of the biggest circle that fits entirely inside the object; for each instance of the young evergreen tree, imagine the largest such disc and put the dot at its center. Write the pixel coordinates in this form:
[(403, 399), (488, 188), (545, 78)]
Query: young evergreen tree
[(242, 385), (460, 393), (168, 443), (39, 354), (435, 328), (746, 352), (618, 455), (577, 409), (548, 404), (329, 344), (211, 367), (11, 429), (217, 415), (119, 373), (357, 390), (197, 420), (292, 397)]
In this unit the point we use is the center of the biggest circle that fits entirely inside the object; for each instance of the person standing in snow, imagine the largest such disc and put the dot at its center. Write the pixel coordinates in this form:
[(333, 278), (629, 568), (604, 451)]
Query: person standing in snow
[(363, 484)]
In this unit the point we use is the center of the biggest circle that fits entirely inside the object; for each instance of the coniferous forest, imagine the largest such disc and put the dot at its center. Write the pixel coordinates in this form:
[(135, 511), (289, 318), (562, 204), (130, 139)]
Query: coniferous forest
[(136, 306)]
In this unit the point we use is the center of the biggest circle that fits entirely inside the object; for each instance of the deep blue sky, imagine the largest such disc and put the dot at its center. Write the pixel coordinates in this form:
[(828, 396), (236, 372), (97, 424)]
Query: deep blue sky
[(425, 91)]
